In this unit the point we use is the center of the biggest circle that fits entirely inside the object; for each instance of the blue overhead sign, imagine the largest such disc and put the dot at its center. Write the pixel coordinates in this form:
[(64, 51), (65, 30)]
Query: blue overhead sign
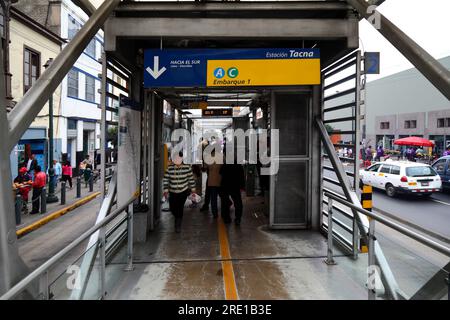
[(231, 67), (372, 62)]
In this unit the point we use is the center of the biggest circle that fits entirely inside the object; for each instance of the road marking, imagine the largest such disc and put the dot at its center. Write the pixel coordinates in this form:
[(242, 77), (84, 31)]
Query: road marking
[(35, 225), (229, 280), (441, 202)]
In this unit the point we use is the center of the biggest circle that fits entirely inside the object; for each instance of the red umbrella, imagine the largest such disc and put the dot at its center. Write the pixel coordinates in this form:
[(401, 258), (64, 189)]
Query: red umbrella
[(414, 141)]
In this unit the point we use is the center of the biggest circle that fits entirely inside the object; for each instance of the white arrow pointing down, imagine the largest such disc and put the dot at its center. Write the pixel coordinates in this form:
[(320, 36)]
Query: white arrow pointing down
[(156, 72)]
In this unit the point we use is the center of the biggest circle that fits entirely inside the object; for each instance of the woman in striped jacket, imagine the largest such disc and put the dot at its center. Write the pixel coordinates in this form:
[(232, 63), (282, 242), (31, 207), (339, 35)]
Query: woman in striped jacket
[(178, 184)]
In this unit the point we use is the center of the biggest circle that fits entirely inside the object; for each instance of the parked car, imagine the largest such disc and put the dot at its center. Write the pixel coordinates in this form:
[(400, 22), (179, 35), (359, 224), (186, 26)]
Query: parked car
[(402, 177), (442, 167)]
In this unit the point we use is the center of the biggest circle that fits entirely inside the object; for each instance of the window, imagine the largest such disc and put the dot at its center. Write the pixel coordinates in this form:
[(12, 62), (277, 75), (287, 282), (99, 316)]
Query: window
[(443, 123), (384, 125), (91, 49), (386, 168), (74, 27), (71, 124), (420, 172), (72, 84), (374, 168), (2, 23), (31, 68), (440, 166), (90, 88), (410, 124), (395, 170)]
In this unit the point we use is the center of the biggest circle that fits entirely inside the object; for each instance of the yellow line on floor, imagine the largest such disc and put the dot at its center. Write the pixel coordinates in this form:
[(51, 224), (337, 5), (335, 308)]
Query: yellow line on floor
[(227, 266), (54, 215)]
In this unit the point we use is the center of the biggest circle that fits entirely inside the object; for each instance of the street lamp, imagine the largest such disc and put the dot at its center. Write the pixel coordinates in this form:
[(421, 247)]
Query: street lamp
[(51, 198)]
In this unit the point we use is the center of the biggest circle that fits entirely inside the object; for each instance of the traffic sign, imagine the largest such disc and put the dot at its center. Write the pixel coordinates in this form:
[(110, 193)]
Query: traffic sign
[(231, 67)]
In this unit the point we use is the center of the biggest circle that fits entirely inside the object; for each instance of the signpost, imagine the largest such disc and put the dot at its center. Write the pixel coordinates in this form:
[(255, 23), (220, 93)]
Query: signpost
[(218, 112), (231, 67), (372, 62)]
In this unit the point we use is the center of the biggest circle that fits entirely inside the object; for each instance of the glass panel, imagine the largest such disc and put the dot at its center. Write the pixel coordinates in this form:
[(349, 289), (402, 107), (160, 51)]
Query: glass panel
[(385, 169), (90, 49), (291, 193), (90, 88), (413, 264), (66, 283), (420, 172), (293, 134), (395, 170)]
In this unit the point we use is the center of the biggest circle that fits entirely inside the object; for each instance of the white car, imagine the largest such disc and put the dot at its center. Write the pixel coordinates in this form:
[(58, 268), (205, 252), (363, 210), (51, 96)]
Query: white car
[(402, 177)]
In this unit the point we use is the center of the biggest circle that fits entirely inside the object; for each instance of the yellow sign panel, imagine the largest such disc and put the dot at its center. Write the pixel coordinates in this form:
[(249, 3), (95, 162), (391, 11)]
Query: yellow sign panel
[(263, 72)]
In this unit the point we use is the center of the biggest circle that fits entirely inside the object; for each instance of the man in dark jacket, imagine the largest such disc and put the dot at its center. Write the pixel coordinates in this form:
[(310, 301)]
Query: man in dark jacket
[(233, 181)]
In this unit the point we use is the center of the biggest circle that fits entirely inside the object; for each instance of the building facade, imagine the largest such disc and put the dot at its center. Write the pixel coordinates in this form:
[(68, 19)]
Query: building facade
[(32, 45), (403, 105), (79, 119)]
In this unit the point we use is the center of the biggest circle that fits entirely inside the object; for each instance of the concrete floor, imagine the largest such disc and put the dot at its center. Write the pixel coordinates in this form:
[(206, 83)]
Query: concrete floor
[(267, 264)]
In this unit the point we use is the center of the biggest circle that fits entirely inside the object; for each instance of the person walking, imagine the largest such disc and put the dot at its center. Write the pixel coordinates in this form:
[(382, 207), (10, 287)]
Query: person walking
[(233, 181), (178, 182), (380, 153), (214, 183), (58, 172), (67, 173), (40, 180)]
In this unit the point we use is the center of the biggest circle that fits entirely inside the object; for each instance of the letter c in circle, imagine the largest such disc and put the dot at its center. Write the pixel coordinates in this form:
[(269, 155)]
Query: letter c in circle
[(233, 72)]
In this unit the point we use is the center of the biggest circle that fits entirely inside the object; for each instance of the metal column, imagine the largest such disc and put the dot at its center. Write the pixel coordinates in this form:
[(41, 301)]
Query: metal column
[(435, 72), (12, 267), (151, 160), (103, 128)]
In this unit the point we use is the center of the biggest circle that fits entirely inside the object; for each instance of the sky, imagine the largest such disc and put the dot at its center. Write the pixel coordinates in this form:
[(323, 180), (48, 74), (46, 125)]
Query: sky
[(426, 21)]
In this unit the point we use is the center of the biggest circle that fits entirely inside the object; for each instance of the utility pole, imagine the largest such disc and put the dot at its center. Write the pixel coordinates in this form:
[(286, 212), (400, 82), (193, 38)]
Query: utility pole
[(51, 198)]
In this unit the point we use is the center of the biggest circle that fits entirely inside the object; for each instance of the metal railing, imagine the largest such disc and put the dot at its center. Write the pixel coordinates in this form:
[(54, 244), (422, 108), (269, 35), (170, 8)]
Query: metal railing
[(370, 231), (41, 273)]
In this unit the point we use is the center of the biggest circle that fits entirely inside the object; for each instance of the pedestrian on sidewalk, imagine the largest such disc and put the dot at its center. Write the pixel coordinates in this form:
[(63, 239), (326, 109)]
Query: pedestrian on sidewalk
[(31, 165), (178, 184), (40, 180), (67, 173), (233, 181), (58, 172), (23, 183)]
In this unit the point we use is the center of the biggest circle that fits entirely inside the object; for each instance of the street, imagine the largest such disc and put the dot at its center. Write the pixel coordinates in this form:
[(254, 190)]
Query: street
[(429, 215)]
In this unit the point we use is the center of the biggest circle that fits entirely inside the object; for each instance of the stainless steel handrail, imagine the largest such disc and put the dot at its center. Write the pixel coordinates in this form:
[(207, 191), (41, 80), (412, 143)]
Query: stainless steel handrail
[(405, 231), (23, 284)]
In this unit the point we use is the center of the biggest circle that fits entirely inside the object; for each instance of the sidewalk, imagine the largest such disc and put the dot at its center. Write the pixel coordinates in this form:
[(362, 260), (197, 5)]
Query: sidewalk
[(30, 222)]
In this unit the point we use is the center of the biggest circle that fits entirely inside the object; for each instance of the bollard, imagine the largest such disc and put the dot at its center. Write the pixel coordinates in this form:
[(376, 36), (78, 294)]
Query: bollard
[(63, 192), (366, 202), (78, 187), (18, 209), (44, 200), (91, 183)]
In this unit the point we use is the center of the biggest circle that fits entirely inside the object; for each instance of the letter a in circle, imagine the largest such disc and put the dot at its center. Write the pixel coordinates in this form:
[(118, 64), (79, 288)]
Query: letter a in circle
[(219, 73)]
